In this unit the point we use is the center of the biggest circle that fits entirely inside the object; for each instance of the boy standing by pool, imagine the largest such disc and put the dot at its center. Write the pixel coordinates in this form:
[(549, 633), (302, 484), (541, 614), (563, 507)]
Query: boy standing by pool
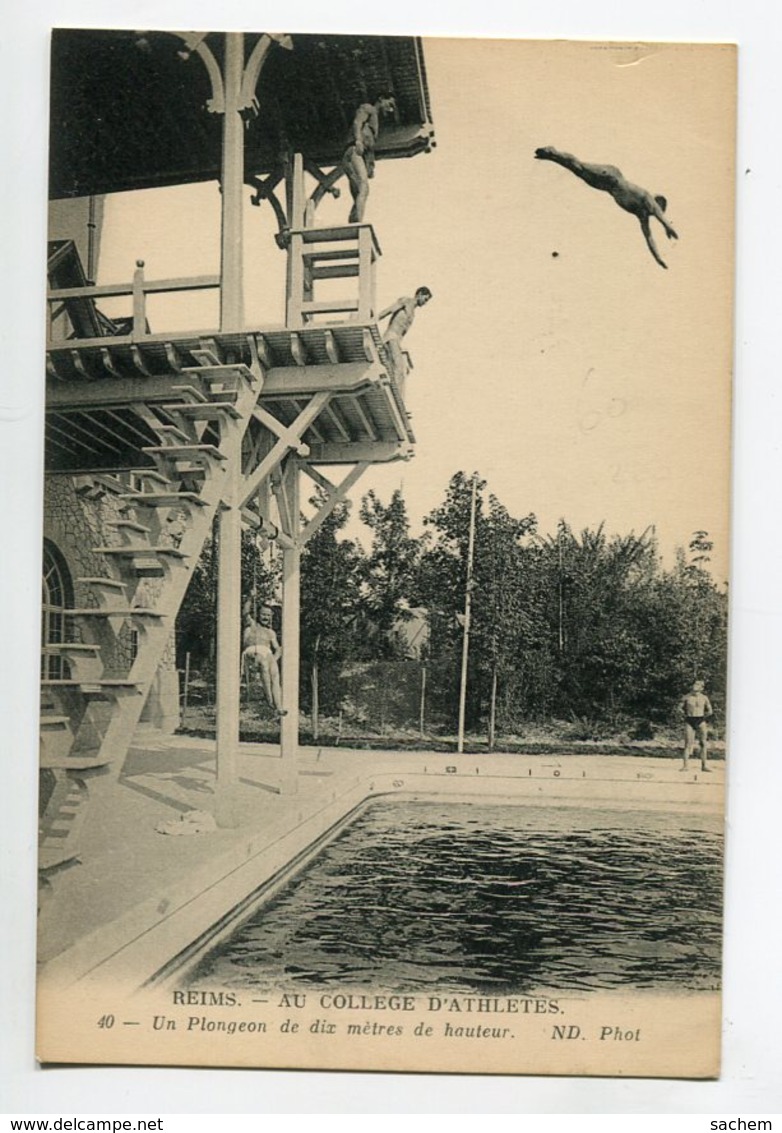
[(697, 709)]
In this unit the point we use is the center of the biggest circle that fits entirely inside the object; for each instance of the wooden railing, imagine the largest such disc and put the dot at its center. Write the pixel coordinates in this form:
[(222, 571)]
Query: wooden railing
[(66, 299)]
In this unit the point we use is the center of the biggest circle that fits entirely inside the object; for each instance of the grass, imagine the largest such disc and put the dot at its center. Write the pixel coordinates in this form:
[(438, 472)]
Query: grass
[(556, 737)]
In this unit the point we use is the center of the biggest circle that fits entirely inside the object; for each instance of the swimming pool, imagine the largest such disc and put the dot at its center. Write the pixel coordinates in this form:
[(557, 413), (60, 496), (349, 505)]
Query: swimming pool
[(479, 897)]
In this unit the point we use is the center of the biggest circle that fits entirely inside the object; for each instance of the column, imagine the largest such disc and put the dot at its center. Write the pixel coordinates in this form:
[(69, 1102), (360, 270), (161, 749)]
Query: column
[(231, 251), (229, 519), (229, 642), (291, 561)]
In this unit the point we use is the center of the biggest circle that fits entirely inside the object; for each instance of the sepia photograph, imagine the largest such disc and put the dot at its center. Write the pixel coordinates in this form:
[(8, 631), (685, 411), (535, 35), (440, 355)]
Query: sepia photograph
[(386, 495), (399, 467)]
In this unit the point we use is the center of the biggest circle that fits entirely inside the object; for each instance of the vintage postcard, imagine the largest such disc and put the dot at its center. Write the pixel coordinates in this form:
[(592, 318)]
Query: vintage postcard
[(383, 652)]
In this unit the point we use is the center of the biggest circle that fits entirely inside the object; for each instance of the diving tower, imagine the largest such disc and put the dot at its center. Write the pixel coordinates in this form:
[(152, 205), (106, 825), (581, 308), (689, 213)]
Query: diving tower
[(161, 435)]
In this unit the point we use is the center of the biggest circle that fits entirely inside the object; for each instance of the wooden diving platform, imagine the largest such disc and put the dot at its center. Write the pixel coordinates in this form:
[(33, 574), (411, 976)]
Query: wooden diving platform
[(94, 384)]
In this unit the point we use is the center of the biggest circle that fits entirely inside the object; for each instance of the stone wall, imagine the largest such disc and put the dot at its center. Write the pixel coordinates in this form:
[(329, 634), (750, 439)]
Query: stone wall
[(77, 519)]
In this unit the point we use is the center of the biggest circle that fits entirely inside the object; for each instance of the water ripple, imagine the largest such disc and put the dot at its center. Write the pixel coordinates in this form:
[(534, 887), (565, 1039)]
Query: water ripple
[(472, 897)]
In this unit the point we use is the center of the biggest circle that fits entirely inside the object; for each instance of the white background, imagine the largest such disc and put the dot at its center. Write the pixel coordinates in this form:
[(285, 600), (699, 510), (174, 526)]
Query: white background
[(751, 1083)]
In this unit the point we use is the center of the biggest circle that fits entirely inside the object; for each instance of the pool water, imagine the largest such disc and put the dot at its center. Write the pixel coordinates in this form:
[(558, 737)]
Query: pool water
[(472, 897)]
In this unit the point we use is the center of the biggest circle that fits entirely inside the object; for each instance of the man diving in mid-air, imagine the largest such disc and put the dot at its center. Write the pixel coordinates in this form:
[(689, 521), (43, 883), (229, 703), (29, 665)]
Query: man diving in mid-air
[(632, 198)]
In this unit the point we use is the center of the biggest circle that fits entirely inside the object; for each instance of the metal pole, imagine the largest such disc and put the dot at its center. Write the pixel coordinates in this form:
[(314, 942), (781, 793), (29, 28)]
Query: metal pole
[(467, 611), (560, 582), (422, 711)]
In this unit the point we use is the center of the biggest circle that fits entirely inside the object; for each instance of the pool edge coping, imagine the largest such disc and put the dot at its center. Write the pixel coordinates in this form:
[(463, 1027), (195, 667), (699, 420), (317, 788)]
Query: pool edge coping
[(137, 948)]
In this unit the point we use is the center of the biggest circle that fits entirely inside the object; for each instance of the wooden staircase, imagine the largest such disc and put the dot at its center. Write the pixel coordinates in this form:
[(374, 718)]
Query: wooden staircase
[(89, 715)]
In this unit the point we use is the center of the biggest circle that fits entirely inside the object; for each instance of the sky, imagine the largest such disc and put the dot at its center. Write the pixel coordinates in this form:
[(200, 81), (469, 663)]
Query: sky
[(589, 384)]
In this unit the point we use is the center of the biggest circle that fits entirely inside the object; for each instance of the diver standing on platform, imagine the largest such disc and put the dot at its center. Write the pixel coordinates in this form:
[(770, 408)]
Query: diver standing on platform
[(402, 314), (359, 157)]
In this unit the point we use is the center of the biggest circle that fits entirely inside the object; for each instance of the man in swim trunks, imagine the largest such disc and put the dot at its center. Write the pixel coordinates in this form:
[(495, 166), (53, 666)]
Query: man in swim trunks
[(402, 314), (632, 198), (359, 157), (697, 709), (262, 651)]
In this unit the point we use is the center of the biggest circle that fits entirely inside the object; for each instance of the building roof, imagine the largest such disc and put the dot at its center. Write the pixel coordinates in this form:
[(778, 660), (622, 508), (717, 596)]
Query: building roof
[(128, 112), (65, 270)]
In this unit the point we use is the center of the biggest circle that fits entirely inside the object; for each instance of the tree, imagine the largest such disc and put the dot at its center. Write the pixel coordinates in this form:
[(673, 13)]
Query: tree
[(196, 626), (628, 635), (698, 613), (390, 568), (442, 577), (331, 572), (497, 594), (597, 584)]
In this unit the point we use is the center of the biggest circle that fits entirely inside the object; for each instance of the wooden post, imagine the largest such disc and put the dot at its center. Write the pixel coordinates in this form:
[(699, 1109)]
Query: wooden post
[(186, 692), (92, 243), (229, 638), (315, 708), (295, 282), (230, 516), (365, 280), (373, 254), (139, 304), (298, 196), (291, 562), (228, 658), (231, 249)]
